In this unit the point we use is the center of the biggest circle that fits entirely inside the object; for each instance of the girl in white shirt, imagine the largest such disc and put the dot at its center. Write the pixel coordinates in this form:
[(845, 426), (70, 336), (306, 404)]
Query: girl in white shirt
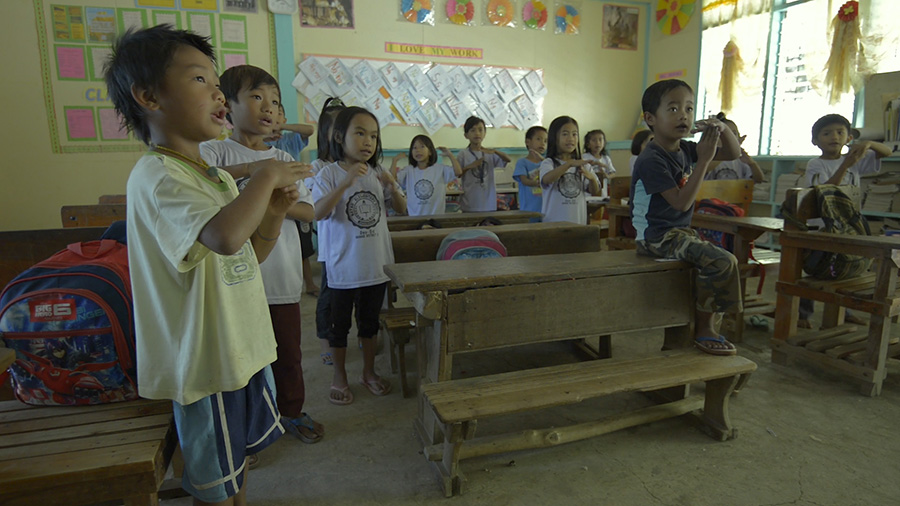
[(350, 196), (424, 180), (565, 175), (595, 151)]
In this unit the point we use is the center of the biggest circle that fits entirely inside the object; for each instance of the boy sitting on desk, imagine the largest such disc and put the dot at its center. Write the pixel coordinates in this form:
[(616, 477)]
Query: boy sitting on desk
[(662, 202)]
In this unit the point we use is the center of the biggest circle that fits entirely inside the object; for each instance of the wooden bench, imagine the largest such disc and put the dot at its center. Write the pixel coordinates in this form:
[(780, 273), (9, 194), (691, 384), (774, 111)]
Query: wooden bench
[(454, 220), (858, 353), (94, 215), (459, 404), (84, 455), (524, 239)]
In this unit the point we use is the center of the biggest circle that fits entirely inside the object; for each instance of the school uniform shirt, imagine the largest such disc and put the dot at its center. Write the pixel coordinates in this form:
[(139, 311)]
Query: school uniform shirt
[(609, 170), (479, 192), (356, 232), (631, 162), (731, 169), (656, 171), (282, 271), (426, 190), (564, 200), (201, 321), (530, 197), (818, 170)]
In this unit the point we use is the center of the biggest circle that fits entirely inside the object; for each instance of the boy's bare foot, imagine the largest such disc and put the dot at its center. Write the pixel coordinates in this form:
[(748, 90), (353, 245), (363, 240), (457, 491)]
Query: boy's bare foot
[(340, 395)]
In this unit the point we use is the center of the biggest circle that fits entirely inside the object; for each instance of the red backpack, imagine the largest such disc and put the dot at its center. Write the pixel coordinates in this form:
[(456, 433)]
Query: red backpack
[(70, 321), (721, 208)]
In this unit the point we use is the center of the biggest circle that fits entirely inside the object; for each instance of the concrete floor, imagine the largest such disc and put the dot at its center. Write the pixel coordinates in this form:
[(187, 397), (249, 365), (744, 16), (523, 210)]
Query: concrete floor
[(805, 438)]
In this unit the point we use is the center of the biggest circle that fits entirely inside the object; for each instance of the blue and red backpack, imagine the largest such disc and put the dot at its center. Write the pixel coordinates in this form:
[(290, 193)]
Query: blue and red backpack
[(721, 208), (70, 321), (471, 243)]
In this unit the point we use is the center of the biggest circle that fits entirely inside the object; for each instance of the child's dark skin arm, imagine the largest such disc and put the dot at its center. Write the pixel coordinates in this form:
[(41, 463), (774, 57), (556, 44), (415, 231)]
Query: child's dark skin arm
[(857, 151), (258, 209), (398, 199), (592, 177), (683, 198), (503, 156), (243, 170), (731, 147), (303, 129), (302, 211), (550, 177)]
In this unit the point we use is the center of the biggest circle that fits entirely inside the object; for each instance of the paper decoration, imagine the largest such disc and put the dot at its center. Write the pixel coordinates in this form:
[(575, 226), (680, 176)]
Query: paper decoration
[(506, 86), (456, 111), (534, 15), (366, 77), (420, 83), (533, 86), (440, 80), (568, 19), (672, 16), (381, 108), (314, 71), (300, 82), (417, 11), (341, 79), (460, 12), (501, 13), (844, 62), (392, 76)]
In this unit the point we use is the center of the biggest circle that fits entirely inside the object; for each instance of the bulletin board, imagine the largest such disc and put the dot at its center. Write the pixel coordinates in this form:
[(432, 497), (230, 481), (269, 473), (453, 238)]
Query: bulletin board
[(430, 95), (75, 36)]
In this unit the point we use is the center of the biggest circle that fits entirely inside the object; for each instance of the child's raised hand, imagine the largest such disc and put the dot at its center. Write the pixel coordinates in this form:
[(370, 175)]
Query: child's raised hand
[(386, 177), (536, 153), (399, 157), (706, 148), (856, 152), (285, 173), (588, 172), (445, 151), (356, 170), (283, 198)]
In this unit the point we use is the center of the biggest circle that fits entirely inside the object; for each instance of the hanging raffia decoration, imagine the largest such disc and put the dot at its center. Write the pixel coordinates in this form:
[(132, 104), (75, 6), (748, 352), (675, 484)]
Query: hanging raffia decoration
[(842, 69), (732, 66)]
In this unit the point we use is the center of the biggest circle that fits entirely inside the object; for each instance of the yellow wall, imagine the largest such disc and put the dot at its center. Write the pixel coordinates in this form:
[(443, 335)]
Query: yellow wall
[(584, 81)]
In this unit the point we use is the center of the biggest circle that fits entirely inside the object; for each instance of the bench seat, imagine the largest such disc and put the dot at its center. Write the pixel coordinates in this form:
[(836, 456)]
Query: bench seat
[(74, 455), (458, 404)]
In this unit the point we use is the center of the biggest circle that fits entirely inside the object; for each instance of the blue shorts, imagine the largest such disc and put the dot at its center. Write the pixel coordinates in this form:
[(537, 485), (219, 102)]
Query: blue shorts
[(218, 432)]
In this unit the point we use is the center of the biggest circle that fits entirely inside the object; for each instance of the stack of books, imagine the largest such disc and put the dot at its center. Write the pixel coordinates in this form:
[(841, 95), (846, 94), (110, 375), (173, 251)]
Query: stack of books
[(785, 182)]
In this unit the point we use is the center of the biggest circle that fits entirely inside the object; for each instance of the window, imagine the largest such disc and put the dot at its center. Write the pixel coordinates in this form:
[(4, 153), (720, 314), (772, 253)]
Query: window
[(784, 55)]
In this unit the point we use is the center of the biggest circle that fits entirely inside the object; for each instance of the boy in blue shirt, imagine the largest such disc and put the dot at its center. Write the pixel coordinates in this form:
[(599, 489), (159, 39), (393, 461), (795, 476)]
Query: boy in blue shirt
[(663, 191), (203, 334), (527, 173)]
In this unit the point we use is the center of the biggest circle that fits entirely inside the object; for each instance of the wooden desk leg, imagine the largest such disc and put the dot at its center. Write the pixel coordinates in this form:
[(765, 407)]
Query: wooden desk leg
[(715, 407), (879, 329), (787, 307)]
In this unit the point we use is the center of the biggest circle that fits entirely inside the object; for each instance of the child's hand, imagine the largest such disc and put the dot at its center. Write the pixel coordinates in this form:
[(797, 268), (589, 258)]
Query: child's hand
[(444, 151), (706, 148), (274, 137), (588, 173), (488, 151), (283, 198), (536, 154), (705, 124), (579, 163), (855, 154), (356, 170), (744, 156), (386, 177), (285, 173), (399, 157)]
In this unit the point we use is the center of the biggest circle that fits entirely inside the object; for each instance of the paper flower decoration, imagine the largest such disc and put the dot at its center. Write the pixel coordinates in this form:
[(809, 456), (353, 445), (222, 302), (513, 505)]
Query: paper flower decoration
[(673, 15), (460, 12), (567, 19), (849, 11), (500, 12), (416, 11), (534, 14)]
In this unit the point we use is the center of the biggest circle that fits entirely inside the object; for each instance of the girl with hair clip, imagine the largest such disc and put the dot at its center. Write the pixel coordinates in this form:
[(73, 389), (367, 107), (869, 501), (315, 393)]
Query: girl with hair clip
[(323, 307), (638, 143), (424, 179), (350, 196), (742, 168), (595, 151), (565, 175)]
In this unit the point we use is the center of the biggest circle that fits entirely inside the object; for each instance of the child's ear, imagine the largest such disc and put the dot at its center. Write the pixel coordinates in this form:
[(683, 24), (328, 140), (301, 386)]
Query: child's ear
[(144, 98), (649, 118)]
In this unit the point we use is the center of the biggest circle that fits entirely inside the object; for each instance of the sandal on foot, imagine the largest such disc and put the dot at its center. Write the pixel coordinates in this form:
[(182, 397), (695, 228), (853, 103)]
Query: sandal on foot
[(304, 428), (706, 345), (252, 461), (327, 359), (378, 387), (346, 396)]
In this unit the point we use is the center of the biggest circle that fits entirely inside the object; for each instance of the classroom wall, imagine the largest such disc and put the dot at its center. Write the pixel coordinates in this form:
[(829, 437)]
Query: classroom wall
[(584, 81)]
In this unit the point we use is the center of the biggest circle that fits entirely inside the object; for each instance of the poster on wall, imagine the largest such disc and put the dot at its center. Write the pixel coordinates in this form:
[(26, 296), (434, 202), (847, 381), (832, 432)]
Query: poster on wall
[(430, 95), (326, 13), (620, 27), (244, 6)]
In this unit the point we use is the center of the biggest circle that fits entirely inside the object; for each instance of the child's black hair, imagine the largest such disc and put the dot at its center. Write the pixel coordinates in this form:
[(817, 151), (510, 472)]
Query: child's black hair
[(471, 122), (829, 119), (728, 122), (140, 59), (244, 77), (587, 138), (341, 124), (638, 140), (654, 93), (534, 130), (553, 135), (330, 110), (432, 154)]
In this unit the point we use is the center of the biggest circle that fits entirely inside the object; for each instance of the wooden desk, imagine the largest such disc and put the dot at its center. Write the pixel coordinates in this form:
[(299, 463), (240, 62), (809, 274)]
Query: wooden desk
[(460, 219), (471, 305), (77, 455), (745, 230), (519, 239)]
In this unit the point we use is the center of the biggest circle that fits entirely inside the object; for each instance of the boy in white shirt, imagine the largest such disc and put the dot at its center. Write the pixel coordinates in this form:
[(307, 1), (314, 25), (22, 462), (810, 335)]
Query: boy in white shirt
[(252, 97), (203, 336), (830, 134)]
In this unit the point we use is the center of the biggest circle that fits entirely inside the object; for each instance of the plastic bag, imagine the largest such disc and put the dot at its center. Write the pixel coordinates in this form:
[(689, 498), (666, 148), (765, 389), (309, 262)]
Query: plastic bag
[(417, 11), (501, 13)]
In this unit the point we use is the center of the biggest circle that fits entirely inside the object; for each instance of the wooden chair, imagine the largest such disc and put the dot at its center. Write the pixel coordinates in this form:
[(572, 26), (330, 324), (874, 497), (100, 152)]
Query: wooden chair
[(111, 199), (841, 348), (95, 215)]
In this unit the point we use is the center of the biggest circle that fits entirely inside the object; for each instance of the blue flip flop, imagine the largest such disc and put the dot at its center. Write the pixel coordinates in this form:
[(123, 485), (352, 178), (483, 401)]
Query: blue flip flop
[(703, 344)]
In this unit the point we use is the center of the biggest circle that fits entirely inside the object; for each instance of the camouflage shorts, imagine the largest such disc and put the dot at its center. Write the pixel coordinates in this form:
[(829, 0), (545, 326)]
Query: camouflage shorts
[(718, 281)]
